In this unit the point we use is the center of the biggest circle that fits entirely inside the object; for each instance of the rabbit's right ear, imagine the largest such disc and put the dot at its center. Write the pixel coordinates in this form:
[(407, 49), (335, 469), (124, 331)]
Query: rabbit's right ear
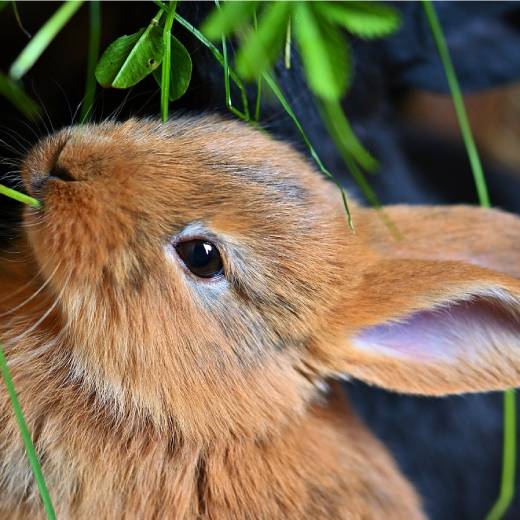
[(441, 325)]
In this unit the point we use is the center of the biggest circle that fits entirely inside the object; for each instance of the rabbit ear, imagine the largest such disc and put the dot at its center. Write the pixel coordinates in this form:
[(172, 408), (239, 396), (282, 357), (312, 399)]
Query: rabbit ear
[(438, 313), (433, 327), (486, 237)]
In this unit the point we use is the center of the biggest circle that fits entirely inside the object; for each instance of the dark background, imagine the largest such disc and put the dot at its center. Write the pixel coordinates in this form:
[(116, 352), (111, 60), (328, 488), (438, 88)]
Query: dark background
[(399, 106)]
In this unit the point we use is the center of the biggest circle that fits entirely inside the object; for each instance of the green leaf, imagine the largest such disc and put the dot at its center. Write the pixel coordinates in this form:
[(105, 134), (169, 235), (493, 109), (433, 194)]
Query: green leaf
[(363, 19), (325, 54), (43, 38), (15, 94), (130, 59), (180, 73), (263, 46), (227, 19), (3, 4)]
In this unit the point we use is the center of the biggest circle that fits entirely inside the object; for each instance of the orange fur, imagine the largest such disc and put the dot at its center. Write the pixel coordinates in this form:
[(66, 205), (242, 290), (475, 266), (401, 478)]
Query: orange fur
[(153, 394)]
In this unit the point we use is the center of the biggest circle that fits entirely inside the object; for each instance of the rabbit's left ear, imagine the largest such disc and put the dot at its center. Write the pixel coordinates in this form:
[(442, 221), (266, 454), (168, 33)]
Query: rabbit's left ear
[(433, 322)]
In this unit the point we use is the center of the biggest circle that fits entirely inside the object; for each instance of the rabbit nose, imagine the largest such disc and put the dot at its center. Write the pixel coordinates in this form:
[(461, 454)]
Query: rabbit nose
[(39, 181), (53, 172), (61, 173)]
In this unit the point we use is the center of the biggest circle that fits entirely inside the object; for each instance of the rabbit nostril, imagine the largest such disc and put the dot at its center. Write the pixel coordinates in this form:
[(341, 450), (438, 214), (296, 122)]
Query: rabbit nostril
[(58, 172)]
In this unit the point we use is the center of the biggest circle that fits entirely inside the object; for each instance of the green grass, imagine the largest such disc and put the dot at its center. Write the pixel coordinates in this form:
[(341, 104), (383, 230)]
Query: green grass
[(507, 485), (20, 197), (26, 437)]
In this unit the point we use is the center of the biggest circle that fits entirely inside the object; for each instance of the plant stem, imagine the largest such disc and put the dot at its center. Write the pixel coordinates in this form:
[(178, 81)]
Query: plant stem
[(507, 485), (166, 62), (20, 197), (43, 38), (26, 437), (93, 54)]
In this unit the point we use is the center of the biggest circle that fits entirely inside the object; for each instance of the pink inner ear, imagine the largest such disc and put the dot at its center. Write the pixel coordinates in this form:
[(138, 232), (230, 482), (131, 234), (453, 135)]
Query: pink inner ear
[(463, 328)]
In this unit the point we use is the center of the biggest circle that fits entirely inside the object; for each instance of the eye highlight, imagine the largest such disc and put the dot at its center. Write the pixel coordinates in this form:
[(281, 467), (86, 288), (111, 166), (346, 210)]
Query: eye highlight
[(201, 257)]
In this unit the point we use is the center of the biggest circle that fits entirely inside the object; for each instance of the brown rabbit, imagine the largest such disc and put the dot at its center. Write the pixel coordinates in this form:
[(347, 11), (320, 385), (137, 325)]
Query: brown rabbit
[(173, 314)]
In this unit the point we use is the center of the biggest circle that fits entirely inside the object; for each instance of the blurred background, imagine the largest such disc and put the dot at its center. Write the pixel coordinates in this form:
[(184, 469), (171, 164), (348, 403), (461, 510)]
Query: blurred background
[(400, 108)]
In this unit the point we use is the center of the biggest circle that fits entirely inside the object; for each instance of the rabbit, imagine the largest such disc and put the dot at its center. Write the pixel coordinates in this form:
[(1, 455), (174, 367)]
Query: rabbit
[(178, 312)]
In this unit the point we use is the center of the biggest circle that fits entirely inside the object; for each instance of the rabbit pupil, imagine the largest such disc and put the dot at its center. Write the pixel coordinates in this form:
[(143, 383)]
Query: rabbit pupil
[(201, 257)]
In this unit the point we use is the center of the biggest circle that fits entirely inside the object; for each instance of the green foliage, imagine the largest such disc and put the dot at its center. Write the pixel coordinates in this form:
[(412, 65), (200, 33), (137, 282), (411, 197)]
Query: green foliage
[(130, 59), (262, 47), (180, 74), (228, 19), (317, 25), (319, 35), (363, 19), (325, 53)]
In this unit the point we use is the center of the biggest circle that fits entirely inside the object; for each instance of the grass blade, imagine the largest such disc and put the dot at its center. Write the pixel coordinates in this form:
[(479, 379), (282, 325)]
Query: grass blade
[(93, 55), (43, 38), (166, 62), (20, 197), (26, 437), (507, 484), (458, 102)]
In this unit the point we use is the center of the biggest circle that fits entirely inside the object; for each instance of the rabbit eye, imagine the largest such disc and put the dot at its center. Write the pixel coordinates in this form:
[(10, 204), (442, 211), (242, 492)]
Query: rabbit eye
[(202, 258)]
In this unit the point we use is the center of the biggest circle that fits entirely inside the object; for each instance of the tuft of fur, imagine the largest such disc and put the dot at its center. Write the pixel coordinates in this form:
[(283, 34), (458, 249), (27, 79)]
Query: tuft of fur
[(152, 394)]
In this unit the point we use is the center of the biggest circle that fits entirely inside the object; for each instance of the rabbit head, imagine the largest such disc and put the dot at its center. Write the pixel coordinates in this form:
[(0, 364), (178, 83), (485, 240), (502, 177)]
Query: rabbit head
[(195, 263), (206, 279)]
